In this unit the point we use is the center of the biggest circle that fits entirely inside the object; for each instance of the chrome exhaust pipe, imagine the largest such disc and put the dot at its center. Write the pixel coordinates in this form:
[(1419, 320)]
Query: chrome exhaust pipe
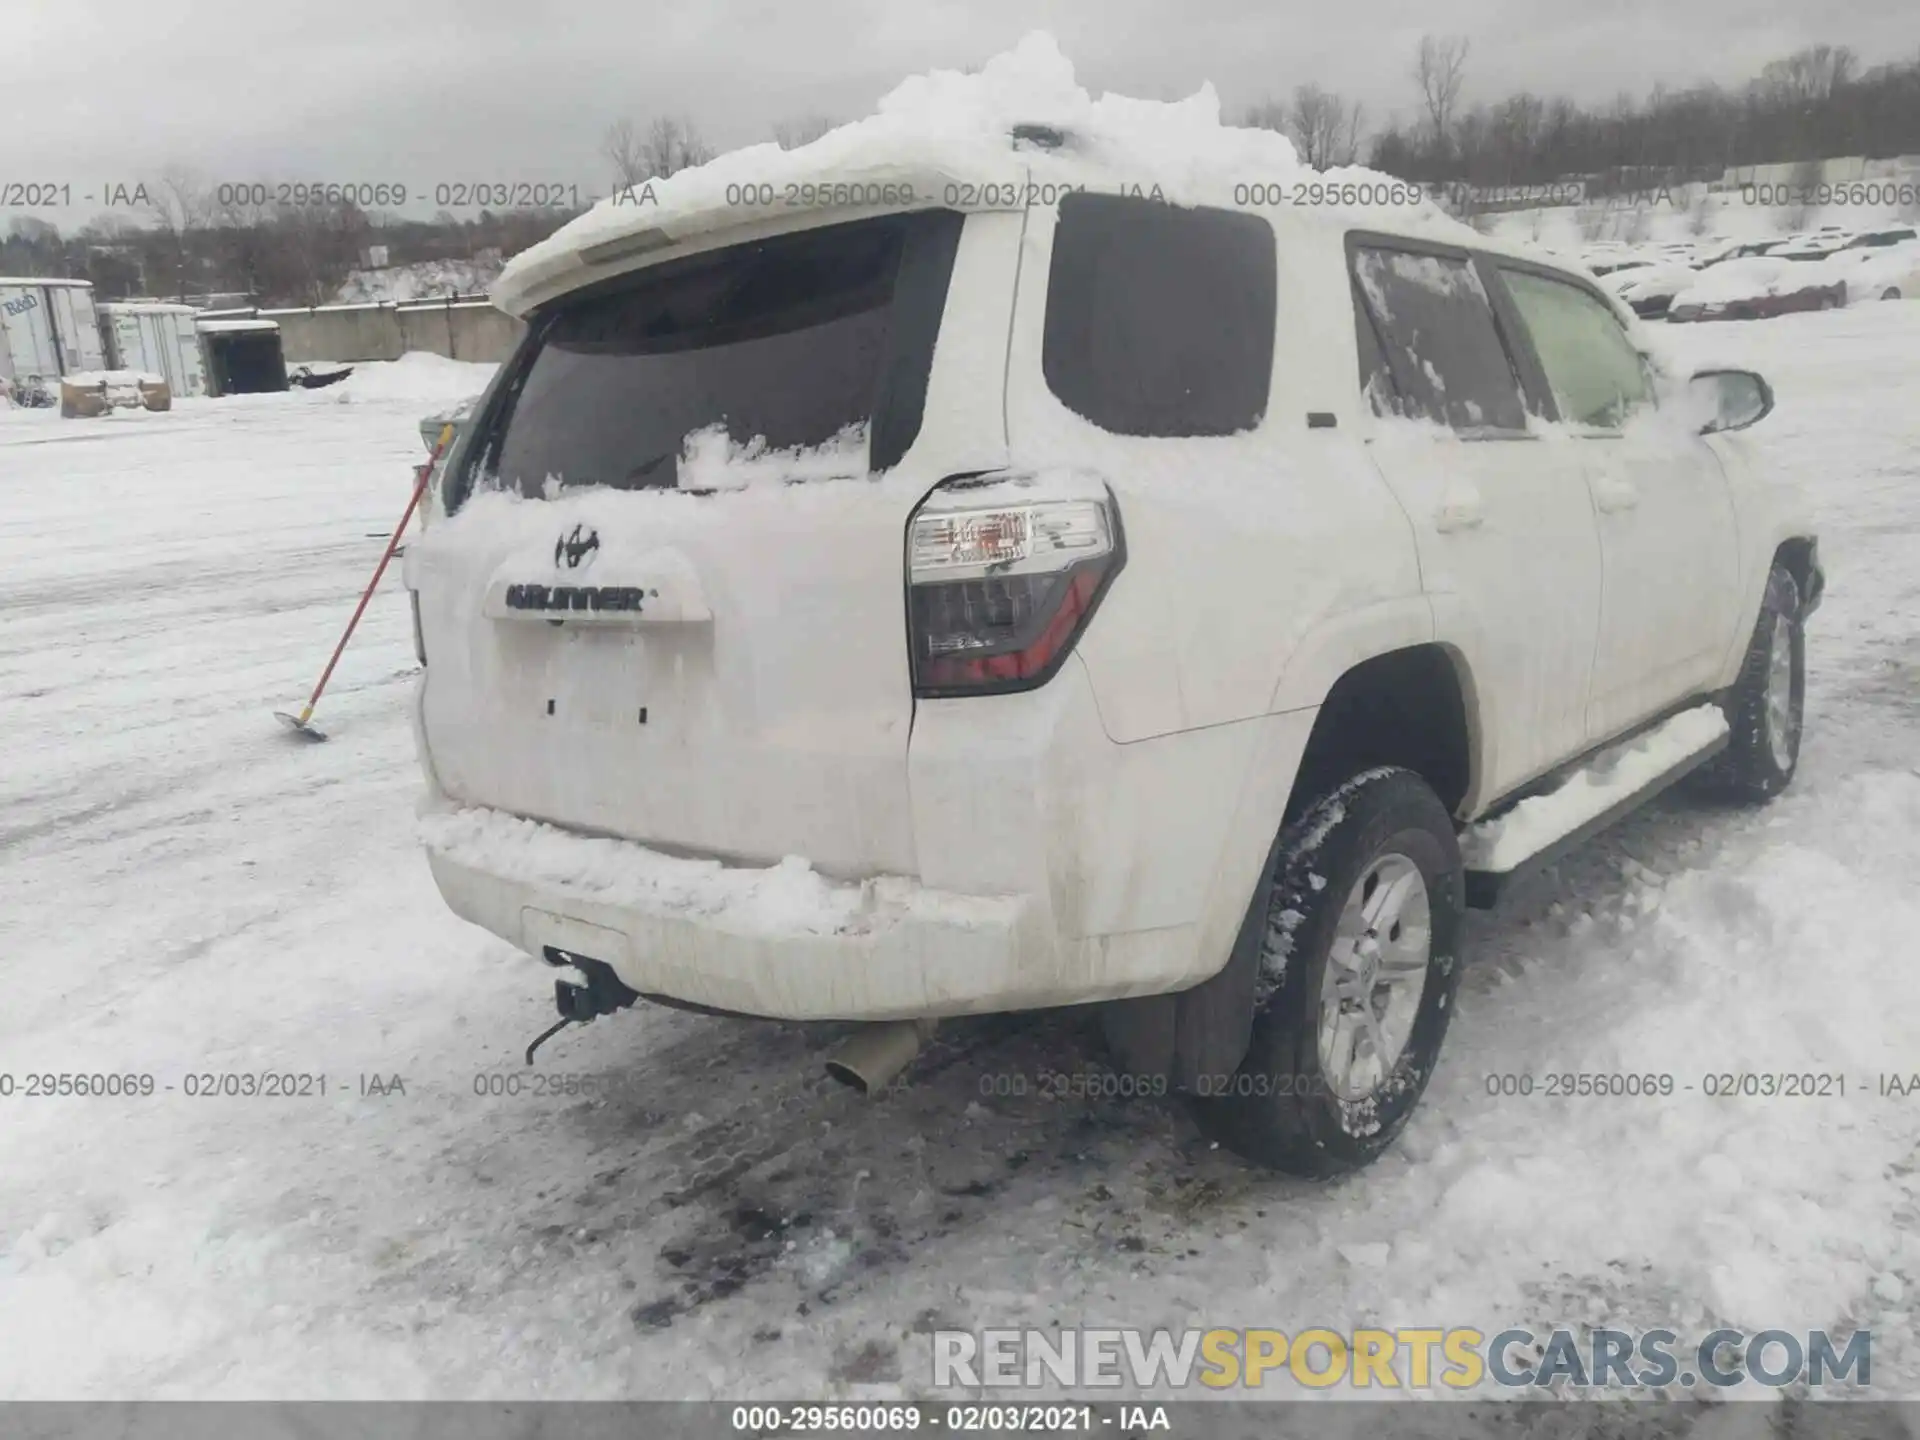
[(873, 1057)]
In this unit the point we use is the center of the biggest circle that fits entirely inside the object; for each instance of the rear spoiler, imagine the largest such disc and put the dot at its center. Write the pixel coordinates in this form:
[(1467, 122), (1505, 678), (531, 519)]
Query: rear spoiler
[(695, 209)]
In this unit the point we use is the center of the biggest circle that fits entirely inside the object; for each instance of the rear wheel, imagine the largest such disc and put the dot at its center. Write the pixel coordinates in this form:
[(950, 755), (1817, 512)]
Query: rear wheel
[(1357, 977), (1891, 293), (1764, 711)]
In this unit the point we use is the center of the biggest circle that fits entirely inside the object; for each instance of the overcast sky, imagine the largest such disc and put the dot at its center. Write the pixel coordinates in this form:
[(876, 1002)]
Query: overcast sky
[(429, 91)]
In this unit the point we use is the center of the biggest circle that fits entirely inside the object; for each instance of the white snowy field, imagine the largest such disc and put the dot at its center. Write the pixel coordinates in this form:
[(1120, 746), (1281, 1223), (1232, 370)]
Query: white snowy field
[(186, 890)]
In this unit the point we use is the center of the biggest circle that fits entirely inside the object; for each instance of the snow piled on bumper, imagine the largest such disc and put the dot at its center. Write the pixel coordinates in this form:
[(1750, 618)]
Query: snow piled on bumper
[(787, 899)]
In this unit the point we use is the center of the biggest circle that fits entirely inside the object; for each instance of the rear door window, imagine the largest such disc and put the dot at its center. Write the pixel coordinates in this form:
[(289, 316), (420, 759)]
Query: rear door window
[(1160, 319), (1597, 377), (1441, 346), (1376, 380), (821, 338)]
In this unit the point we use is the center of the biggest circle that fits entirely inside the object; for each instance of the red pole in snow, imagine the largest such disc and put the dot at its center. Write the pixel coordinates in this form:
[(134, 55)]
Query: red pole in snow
[(299, 722)]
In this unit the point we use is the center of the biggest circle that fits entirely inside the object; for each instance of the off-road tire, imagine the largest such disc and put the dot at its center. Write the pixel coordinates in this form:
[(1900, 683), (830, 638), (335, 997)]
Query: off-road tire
[(1279, 1110), (1752, 769)]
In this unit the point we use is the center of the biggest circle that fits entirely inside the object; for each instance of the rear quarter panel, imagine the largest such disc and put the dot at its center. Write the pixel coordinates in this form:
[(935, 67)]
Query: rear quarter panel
[(1258, 564)]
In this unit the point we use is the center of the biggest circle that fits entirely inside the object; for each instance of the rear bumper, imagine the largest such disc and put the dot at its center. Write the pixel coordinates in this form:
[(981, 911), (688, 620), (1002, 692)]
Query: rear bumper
[(1089, 871), (779, 942)]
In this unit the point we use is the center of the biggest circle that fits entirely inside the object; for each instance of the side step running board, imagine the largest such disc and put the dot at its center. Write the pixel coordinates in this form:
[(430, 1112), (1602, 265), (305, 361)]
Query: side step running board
[(1539, 830)]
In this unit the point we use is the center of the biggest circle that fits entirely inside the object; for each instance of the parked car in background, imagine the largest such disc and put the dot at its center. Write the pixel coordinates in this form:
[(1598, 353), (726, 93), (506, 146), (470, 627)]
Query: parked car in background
[(1737, 250), (1728, 250), (1806, 249), (1649, 289), (1890, 272), (1756, 287), (1605, 257), (1880, 239)]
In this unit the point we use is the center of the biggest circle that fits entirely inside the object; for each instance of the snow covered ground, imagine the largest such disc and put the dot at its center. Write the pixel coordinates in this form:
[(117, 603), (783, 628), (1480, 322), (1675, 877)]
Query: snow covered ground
[(186, 890)]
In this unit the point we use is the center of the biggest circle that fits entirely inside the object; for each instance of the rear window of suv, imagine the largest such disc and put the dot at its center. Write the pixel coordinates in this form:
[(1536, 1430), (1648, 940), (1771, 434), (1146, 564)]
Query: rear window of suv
[(795, 341), (1160, 319)]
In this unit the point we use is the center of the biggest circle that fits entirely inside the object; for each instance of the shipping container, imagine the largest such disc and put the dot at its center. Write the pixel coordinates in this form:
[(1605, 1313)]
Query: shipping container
[(160, 339), (243, 354), (47, 329)]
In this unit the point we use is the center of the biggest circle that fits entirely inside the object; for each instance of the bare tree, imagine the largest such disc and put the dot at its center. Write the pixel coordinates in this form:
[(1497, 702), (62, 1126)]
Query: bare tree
[(31, 246), (621, 147), (669, 144), (248, 242), (792, 134), (32, 230), (1512, 134), (1267, 115), (1439, 70), (316, 247), (1809, 76), (181, 206), (180, 199), (673, 144), (1325, 129), (107, 226)]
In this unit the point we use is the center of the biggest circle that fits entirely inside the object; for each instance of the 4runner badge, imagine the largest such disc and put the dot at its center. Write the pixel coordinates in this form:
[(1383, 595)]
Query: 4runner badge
[(574, 548)]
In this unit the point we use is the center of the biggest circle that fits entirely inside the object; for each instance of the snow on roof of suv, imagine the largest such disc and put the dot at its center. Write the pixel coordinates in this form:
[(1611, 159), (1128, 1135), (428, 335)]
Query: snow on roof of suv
[(971, 141)]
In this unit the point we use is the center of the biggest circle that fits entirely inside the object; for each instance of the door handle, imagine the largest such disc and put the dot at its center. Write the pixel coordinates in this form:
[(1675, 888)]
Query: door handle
[(1612, 494), (1459, 510)]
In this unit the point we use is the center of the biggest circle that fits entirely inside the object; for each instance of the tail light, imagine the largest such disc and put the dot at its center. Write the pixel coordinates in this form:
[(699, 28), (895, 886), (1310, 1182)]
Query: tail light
[(997, 595)]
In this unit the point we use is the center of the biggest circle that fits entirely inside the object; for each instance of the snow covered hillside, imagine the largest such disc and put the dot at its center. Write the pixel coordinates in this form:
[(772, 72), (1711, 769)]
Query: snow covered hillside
[(188, 893), (426, 280)]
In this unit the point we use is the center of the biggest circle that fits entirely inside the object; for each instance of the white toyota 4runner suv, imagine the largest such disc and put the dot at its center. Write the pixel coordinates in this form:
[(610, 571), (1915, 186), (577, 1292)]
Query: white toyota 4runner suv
[(1033, 592)]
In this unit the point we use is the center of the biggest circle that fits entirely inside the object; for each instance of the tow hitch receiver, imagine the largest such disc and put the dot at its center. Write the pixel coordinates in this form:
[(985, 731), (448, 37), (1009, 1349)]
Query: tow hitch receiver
[(602, 994)]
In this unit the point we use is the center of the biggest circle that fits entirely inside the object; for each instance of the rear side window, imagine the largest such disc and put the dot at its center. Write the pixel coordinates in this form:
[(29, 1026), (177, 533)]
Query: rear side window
[(1596, 375), (1376, 381), (1160, 319), (1442, 349), (806, 340)]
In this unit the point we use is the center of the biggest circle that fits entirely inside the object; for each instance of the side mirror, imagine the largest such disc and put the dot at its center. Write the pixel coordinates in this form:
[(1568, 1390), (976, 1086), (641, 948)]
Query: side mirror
[(1730, 399)]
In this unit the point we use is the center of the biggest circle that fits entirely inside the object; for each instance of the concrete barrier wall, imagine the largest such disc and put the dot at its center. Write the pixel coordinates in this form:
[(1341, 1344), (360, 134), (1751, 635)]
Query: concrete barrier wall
[(467, 332), (459, 330)]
